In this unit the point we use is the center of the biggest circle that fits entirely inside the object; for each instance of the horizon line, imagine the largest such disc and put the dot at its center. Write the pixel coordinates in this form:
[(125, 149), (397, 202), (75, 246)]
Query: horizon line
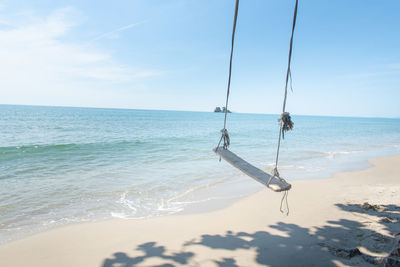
[(232, 112)]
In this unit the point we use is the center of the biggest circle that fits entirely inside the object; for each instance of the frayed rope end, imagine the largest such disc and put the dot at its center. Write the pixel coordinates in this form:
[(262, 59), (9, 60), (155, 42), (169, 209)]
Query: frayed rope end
[(286, 123)]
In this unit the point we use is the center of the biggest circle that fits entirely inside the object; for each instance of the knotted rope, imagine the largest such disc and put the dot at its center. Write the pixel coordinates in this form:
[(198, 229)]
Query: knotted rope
[(285, 121), (225, 135)]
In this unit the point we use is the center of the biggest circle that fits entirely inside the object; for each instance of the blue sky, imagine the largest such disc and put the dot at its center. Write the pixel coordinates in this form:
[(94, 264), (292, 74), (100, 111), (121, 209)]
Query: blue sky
[(173, 54)]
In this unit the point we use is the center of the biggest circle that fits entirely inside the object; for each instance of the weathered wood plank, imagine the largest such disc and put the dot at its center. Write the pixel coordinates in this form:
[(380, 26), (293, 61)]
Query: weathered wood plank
[(260, 176)]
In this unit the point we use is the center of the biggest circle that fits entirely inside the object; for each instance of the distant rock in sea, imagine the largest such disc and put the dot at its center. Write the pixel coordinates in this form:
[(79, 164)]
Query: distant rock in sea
[(218, 109)]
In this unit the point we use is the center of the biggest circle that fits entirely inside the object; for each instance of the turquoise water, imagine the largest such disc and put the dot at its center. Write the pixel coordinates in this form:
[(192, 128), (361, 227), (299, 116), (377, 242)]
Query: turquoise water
[(66, 165)]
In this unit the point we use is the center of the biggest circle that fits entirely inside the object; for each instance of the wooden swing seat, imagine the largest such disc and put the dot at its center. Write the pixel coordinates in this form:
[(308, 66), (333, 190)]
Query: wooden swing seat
[(276, 184)]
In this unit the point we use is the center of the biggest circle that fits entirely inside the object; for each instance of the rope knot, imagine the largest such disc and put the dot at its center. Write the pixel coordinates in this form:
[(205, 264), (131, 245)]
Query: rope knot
[(286, 123), (225, 136), (275, 172)]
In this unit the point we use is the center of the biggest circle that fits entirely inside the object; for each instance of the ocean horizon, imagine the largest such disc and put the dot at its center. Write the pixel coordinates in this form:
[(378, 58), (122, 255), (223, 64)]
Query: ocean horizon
[(64, 165), (200, 111)]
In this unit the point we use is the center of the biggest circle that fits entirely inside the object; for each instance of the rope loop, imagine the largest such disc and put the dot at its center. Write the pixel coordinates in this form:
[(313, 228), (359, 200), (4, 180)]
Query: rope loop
[(275, 173), (285, 197)]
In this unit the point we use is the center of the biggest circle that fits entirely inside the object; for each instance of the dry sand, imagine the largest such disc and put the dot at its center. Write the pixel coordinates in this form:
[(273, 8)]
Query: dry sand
[(327, 222)]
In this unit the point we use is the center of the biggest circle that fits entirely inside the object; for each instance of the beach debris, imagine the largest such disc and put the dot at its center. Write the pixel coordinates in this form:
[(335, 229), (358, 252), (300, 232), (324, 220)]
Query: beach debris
[(392, 260), (387, 220), (346, 253), (342, 252), (367, 206), (372, 259), (379, 238), (382, 261), (395, 253)]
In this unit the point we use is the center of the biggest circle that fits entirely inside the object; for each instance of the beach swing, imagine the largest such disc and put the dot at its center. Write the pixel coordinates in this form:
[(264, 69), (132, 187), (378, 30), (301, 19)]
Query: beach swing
[(272, 181)]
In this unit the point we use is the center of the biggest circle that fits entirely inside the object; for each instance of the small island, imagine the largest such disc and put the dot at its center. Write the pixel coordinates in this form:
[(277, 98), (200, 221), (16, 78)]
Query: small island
[(219, 109)]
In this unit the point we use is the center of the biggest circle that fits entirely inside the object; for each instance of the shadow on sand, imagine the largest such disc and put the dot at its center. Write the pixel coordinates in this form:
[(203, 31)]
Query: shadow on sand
[(150, 250), (292, 245)]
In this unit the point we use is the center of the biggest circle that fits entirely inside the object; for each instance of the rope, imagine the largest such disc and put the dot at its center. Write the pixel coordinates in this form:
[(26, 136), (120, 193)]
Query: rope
[(225, 135), (285, 196), (285, 121)]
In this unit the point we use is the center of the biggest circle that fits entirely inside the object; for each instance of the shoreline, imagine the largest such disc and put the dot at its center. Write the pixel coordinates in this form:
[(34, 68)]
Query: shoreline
[(84, 166), (326, 215), (206, 201), (197, 207)]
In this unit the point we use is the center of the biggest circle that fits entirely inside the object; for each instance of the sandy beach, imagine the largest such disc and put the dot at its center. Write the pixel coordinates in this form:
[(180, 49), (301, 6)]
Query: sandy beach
[(110, 112), (330, 224)]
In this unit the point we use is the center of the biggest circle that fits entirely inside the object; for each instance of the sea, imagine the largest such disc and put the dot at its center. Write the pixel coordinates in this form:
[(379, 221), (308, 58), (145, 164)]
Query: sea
[(66, 165)]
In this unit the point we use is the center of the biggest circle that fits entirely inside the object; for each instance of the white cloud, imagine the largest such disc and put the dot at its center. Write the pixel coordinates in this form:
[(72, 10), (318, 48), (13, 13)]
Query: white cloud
[(38, 66), (380, 71), (114, 33)]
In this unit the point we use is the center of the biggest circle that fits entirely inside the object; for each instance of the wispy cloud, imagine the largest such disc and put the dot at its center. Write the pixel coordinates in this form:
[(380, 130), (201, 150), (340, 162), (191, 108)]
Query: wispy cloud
[(37, 63), (377, 72), (114, 33)]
